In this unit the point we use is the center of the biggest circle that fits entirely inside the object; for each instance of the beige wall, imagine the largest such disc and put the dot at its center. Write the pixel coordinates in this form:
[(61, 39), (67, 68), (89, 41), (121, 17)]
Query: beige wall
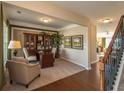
[(77, 56), (93, 55), (18, 35)]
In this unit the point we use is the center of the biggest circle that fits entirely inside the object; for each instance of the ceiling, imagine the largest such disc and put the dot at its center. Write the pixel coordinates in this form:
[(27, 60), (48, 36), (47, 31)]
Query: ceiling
[(29, 16), (96, 10)]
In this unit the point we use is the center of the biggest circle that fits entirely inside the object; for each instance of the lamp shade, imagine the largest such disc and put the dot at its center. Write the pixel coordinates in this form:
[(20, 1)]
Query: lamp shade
[(14, 44)]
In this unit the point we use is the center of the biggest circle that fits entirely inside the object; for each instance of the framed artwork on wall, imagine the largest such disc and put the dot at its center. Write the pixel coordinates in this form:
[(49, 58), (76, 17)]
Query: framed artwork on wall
[(67, 41), (77, 41)]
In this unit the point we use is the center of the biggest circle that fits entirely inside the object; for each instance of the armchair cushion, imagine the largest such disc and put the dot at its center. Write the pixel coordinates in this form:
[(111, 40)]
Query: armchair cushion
[(29, 58), (32, 58)]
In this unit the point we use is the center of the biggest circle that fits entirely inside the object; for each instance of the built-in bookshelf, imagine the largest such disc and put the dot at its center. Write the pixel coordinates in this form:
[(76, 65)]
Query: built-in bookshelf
[(30, 42), (44, 42), (38, 42)]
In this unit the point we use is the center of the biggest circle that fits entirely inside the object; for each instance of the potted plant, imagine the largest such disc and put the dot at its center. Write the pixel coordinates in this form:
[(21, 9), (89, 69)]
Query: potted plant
[(57, 41)]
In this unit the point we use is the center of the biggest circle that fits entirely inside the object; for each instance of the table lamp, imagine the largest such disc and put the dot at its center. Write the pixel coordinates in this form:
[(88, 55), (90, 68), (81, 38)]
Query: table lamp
[(14, 45)]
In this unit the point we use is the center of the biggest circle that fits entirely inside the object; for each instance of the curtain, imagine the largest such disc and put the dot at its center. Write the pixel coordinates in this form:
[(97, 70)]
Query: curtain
[(9, 38), (2, 78)]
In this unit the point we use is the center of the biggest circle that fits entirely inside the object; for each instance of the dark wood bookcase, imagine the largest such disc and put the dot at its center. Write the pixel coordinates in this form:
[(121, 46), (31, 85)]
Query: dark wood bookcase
[(30, 43), (47, 41), (38, 42)]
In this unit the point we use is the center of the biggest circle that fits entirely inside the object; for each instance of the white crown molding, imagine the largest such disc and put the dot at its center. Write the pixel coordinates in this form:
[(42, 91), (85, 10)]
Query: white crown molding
[(68, 27)]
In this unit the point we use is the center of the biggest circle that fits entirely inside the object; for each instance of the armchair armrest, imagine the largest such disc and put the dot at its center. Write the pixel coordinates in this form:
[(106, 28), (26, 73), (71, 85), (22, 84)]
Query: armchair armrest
[(33, 65)]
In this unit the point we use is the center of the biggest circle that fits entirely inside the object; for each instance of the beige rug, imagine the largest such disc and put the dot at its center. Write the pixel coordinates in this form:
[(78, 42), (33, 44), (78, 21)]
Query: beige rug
[(60, 70)]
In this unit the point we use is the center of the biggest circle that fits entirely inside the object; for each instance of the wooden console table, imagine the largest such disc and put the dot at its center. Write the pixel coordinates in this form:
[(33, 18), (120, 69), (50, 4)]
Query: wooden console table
[(46, 60)]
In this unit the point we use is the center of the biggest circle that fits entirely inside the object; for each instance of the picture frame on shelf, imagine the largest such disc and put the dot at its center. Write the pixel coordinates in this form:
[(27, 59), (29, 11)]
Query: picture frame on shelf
[(77, 42), (67, 41)]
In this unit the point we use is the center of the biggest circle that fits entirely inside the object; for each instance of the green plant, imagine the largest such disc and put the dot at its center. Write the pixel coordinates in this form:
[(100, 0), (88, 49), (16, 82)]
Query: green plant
[(57, 40)]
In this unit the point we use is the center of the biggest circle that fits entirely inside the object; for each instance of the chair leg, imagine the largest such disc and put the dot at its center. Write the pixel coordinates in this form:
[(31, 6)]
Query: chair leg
[(29, 83), (27, 86), (39, 75), (11, 82)]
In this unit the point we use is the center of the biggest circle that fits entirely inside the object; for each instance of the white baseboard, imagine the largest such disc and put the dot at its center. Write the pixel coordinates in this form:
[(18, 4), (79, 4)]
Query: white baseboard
[(95, 61), (75, 63)]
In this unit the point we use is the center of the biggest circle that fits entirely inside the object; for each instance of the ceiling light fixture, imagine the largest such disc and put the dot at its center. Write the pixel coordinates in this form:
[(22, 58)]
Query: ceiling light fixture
[(46, 20), (107, 20)]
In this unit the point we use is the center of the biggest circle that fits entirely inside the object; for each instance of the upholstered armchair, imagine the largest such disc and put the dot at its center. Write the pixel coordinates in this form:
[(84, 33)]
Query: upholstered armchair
[(22, 72), (29, 58)]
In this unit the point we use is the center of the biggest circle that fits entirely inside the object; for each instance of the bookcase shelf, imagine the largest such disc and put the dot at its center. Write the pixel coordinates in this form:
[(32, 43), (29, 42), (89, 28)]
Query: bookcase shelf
[(38, 42)]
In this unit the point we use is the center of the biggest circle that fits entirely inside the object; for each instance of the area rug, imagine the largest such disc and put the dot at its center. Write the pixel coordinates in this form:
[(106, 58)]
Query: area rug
[(49, 75)]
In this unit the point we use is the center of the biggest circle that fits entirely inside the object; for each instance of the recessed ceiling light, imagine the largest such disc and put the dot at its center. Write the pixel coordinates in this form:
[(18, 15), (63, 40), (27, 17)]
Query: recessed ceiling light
[(19, 12), (46, 20)]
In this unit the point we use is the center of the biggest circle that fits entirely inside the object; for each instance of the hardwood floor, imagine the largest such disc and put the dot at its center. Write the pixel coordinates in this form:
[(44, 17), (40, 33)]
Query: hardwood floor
[(87, 80), (60, 70)]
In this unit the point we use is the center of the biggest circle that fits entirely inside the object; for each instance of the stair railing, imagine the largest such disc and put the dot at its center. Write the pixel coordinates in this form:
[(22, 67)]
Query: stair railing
[(113, 56)]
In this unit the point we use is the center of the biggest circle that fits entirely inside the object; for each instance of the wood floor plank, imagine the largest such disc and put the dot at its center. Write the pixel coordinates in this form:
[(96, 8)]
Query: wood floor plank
[(87, 80)]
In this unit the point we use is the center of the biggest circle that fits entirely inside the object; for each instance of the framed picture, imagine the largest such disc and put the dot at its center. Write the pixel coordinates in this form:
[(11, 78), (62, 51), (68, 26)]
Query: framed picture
[(77, 42), (67, 41)]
